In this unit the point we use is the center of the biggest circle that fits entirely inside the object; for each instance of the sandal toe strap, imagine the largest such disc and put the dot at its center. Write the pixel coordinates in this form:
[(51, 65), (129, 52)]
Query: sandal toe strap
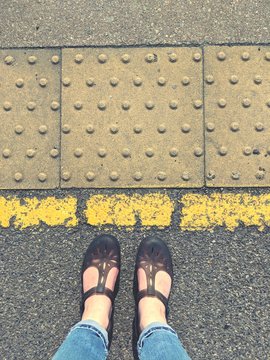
[(97, 291), (153, 293)]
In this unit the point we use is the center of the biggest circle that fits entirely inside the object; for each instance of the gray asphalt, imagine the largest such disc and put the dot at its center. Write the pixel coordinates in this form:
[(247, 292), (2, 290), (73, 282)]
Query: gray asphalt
[(116, 22), (219, 306)]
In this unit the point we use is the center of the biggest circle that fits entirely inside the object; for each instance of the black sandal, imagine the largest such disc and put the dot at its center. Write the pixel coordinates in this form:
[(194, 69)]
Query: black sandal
[(104, 254), (153, 256)]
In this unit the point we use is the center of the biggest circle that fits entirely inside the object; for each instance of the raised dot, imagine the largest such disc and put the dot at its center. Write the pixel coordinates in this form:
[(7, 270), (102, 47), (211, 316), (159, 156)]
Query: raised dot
[(186, 80), (114, 81), (185, 128), (32, 59), (30, 153), (43, 129), (54, 153), (31, 105), (9, 60), (55, 59), (150, 58), (247, 150), (90, 176), (161, 128), (137, 129), (78, 152), (161, 176), (161, 81), (235, 175), (114, 129), (197, 57), (18, 176), (114, 175), (221, 55), (19, 129), (149, 152), (90, 128), (102, 58), (102, 105), (43, 82), (209, 79), (173, 104), (222, 103), (246, 102), (78, 58), (19, 83), (90, 82), (185, 176), (173, 152), (66, 175), (267, 56), (137, 81), (234, 126), (102, 152), (6, 153), (149, 105), (173, 57), (126, 153), (223, 150), (211, 175), (66, 128), (257, 79), (7, 106), (245, 56), (197, 104), (42, 177), (198, 151), (66, 81), (125, 105), (234, 79), (259, 126), (210, 126), (260, 174), (55, 105), (137, 176), (78, 105), (125, 58)]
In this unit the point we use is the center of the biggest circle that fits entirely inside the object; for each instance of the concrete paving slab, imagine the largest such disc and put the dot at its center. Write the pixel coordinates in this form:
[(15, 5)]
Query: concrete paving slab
[(237, 115), (132, 118), (29, 118)]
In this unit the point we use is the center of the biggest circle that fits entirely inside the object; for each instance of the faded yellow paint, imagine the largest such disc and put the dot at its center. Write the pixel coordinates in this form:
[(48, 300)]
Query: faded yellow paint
[(32, 212), (205, 212), (122, 210)]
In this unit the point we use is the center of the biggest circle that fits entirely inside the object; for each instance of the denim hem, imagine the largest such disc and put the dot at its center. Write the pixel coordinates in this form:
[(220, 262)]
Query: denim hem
[(96, 328), (155, 326)]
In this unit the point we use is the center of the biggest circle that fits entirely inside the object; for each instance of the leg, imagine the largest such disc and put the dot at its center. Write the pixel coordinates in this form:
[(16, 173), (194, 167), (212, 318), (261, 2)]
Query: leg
[(86, 340), (165, 342), (91, 337)]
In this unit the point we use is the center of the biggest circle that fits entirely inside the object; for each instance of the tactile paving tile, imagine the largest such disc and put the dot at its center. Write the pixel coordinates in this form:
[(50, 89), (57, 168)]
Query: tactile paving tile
[(29, 118), (132, 117), (237, 116)]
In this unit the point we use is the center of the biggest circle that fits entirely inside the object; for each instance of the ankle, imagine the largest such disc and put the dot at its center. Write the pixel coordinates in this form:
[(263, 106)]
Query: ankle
[(151, 310), (97, 308)]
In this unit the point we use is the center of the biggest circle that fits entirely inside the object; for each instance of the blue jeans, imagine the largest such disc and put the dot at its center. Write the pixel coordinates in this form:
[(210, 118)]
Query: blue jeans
[(87, 340)]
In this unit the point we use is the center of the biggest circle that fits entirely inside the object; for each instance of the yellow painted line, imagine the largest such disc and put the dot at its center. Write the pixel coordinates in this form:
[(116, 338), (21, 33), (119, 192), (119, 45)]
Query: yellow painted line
[(205, 212), (32, 212), (122, 210)]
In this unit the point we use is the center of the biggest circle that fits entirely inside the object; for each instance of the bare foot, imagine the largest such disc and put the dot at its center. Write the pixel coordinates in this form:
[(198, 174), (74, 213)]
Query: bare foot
[(98, 307), (152, 309)]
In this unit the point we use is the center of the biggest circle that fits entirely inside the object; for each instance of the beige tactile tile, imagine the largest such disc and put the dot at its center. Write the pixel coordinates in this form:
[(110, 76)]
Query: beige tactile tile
[(132, 117), (237, 115), (29, 118)]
